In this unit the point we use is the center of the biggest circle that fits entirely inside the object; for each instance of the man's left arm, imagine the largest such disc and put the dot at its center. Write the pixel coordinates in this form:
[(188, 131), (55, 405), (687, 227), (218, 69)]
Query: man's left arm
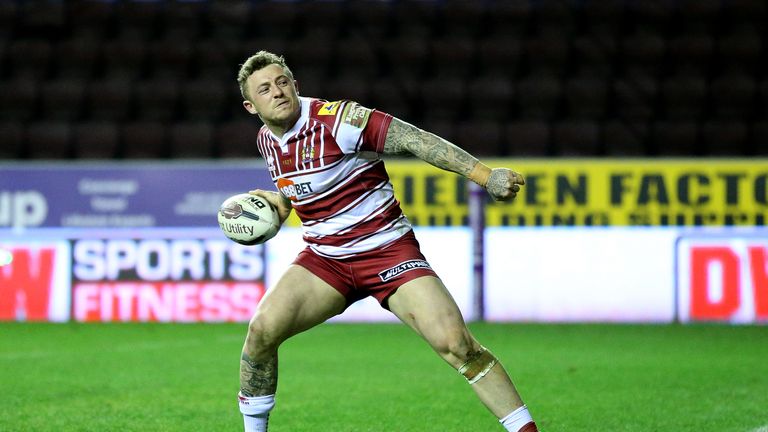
[(403, 138)]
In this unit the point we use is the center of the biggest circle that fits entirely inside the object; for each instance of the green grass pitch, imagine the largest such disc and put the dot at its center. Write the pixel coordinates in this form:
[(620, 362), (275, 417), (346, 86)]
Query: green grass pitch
[(382, 377)]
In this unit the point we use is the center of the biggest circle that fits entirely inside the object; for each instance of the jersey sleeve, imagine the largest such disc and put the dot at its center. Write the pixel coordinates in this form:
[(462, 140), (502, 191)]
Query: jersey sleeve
[(355, 127)]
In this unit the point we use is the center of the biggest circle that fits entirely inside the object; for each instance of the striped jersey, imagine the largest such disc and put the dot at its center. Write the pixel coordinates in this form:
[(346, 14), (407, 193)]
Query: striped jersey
[(329, 166)]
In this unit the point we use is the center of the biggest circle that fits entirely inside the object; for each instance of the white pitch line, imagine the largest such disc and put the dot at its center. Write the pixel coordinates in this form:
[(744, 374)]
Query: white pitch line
[(760, 429)]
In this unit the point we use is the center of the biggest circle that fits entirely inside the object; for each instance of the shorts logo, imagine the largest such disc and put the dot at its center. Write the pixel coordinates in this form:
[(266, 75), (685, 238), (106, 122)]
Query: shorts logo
[(401, 268)]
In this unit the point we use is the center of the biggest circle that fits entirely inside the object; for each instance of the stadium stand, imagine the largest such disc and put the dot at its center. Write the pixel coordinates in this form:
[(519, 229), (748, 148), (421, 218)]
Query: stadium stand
[(528, 78)]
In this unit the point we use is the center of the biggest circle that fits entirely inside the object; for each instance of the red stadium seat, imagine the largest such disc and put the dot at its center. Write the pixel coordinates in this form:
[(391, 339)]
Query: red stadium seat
[(29, 58), (586, 97), (684, 96), (110, 100), (480, 137), (490, 97), (538, 96), (157, 99), (724, 137), (634, 97), (62, 99), (733, 96), (208, 99), (19, 99)]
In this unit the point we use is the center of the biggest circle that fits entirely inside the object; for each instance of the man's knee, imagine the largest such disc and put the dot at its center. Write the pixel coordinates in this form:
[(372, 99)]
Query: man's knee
[(455, 346), (264, 333)]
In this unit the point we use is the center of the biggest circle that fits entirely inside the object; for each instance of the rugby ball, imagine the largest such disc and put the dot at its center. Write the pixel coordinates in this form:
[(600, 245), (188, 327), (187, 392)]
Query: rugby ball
[(248, 219)]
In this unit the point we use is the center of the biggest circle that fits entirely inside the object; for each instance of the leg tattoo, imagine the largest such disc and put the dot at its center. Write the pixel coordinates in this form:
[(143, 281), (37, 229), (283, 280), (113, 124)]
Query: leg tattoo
[(258, 378)]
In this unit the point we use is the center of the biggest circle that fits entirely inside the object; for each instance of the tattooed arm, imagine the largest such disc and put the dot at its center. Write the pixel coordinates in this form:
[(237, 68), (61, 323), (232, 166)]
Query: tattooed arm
[(403, 138)]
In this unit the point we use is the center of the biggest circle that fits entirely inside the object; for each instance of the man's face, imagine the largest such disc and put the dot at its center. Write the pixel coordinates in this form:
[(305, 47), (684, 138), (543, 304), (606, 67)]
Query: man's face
[(273, 96)]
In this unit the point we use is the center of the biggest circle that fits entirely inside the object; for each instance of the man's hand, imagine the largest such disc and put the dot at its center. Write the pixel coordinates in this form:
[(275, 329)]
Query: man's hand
[(282, 204), (504, 184)]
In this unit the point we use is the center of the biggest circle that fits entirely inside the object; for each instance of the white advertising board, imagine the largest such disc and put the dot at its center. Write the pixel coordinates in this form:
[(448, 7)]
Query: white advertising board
[(579, 274)]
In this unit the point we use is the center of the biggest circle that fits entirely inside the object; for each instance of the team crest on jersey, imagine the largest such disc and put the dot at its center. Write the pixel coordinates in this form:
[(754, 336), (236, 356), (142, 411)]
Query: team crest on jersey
[(356, 115), (271, 162), (329, 108), (307, 153), (401, 268)]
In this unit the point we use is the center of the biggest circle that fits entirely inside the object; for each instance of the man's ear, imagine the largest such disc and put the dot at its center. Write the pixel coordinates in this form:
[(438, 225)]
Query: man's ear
[(249, 107), (296, 84)]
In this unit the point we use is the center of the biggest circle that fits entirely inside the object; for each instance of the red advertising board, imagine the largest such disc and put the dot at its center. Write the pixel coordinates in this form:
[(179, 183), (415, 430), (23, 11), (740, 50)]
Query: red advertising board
[(35, 285), (722, 278)]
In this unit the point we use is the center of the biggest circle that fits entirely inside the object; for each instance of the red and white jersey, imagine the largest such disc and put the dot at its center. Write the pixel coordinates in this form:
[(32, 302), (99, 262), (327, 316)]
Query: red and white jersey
[(328, 165)]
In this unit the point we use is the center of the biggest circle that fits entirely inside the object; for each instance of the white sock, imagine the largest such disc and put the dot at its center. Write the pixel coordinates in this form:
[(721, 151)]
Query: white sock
[(255, 411), (516, 419)]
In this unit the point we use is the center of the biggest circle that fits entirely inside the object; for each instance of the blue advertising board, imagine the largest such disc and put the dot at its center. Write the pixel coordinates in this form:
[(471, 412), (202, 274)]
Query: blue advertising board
[(122, 195)]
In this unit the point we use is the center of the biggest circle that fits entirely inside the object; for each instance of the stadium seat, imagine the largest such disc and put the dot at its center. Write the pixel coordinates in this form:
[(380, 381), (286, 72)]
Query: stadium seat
[(406, 59), (452, 57), (213, 59), (157, 99), (144, 140), (140, 20), (576, 138), (12, 139), (480, 137), (19, 99), (76, 58), (650, 16), (675, 139), (758, 145), (724, 137), (509, 18), (529, 138), (602, 21), (741, 50), (355, 57), (538, 96), (625, 139), (634, 97), (415, 19), (62, 99), (732, 96), (124, 59), (684, 96), (500, 55), (323, 20), (444, 98), (229, 20), (207, 99), (388, 96), (546, 54), (48, 140), (490, 97), (586, 97), (96, 140), (554, 18), (462, 18), (698, 15), (370, 17), (8, 18), (283, 19), (109, 100), (443, 128), (91, 20), (191, 140), (237, 139), (170, 58), (185, 20), (594, 56), (643, 52), (29, 58), (349, 87), (691, 53)]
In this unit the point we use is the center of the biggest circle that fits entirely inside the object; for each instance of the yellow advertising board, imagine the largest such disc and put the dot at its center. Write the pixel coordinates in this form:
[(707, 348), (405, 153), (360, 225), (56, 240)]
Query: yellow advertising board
[(582, 192), (594, 192)]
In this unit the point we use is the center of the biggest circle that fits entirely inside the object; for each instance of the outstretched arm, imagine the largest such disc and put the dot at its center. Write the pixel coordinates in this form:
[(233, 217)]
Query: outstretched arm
[(403, 138)]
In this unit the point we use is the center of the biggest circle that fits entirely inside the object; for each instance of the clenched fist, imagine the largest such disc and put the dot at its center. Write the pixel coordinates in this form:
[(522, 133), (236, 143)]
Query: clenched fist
[(504, 184)]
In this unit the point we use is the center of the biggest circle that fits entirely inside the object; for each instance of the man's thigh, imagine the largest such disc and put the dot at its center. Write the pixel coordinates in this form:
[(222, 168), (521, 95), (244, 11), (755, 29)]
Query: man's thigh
[(426, 305), (299, 301)]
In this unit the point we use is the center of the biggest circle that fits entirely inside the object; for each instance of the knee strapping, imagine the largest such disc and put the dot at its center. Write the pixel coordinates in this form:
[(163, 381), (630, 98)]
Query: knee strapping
[(478, 365)]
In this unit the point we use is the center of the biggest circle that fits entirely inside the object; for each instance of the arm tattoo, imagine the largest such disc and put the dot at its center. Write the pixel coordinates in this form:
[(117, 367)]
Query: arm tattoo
[(403, 138), (258, 378), (497, 184)]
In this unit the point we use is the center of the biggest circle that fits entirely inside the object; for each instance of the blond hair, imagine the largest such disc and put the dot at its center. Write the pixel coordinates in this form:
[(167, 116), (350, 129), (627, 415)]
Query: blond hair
[(256, 62)]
